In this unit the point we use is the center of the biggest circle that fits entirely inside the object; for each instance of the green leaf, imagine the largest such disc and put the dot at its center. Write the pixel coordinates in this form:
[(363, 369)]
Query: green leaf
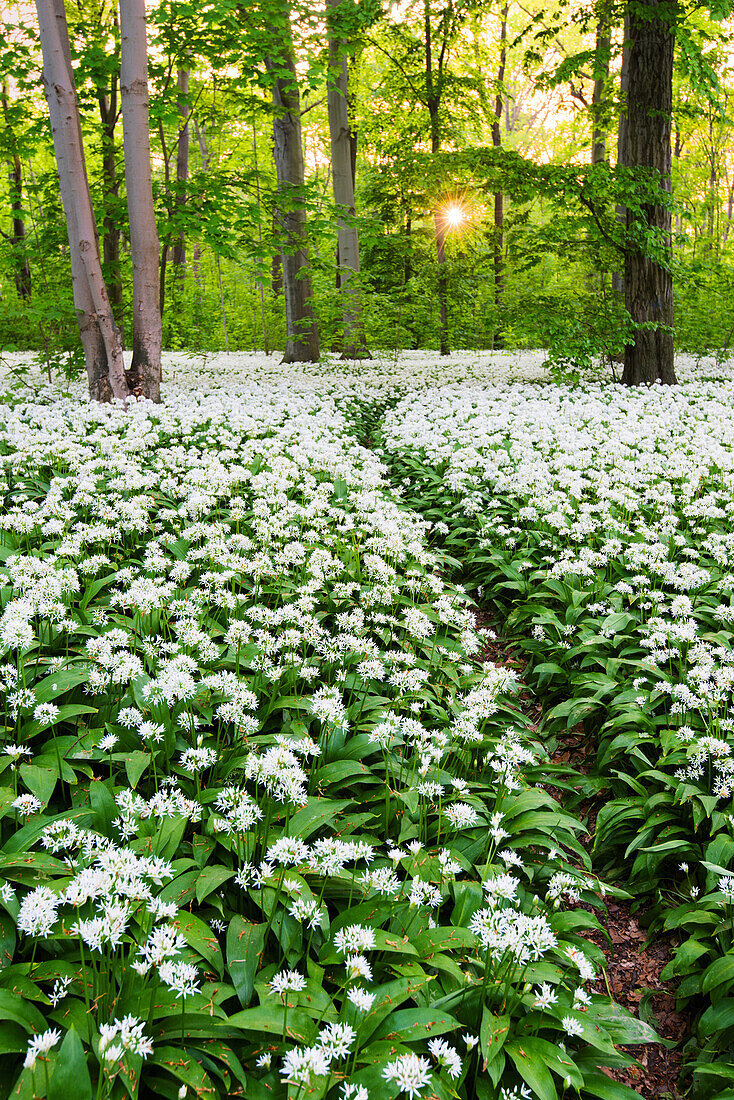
[(245, 944), (318, 812), (271, 1018), (104, 806), (14, 1007), (71, 1075), (60, 682), (135, 764), (415, 1023), (7, 939), (210, 879), (621, 1026), (718, 973), (40, 781), (493, 1034), (556, 1059), (186, 1070), (200, 936), (533, 1072)]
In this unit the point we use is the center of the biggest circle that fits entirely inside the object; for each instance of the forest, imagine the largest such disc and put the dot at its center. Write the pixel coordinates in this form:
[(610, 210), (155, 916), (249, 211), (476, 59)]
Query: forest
[(366, 562), (461, 166)]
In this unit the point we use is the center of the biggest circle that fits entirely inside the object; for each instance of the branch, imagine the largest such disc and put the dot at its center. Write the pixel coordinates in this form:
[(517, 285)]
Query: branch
[(316, 103), (397, 65), (610, 240)]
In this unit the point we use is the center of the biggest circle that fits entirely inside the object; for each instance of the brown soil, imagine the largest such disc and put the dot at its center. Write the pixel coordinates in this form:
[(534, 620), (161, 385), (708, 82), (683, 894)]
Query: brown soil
[(633, 967)]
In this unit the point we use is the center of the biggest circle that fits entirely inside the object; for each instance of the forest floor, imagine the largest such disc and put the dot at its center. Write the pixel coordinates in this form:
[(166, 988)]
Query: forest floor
[(634, 963), (416, 480)]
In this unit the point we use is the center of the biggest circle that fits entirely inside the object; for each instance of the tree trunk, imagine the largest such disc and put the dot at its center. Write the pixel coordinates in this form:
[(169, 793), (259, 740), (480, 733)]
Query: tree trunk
[(178, 258), (622, 131), (342, 176), (499, 198), (144, 377), (99, 334), (648, 285), (21, 266), (302, 338), (111, 191), (599, 94), (433, 103)]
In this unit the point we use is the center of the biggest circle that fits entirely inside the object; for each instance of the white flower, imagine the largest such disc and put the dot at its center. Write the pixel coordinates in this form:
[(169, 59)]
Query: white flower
[(40, 1044), (361, 999), (446, 1055), (410, 1072), (26, 804), (180, 977), (571, 1026), (545, 996), (287, 980)]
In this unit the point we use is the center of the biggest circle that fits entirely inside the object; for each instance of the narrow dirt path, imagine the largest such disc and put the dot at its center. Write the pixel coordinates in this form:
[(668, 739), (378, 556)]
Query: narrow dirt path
[(633, 968)]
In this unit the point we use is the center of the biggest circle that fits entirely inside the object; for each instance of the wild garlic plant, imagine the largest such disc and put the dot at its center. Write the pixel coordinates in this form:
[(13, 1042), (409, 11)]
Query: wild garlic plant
[(271, 824), (599, 518)]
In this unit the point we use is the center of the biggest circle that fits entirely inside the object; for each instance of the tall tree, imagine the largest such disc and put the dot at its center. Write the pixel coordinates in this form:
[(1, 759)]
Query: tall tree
[(21, 265), (144, 376), (599, 120), (499, 198), (98, 331), (648, 284), (302, 338), (107, 101), (342, 176), (178, 258)]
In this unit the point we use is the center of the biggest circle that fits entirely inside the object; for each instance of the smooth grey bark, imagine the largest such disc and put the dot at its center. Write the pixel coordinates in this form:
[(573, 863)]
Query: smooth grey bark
[(342, 181), (144, 376), (499, 198), (21, 266), (435, 84), (648, 286), (100, 336), (623, 126), (178, 259), (302, 338), (205, 154), (108, 113)]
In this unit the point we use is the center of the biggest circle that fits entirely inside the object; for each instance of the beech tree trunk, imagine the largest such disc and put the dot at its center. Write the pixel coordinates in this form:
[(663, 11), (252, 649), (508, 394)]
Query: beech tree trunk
[(108, 111), (342, 178), (621, 211), (434, 87), (21, 266), (499, 198), (99, 334), (598, 95), (302, 338), (648, 285), (178, 259), (144, 376)]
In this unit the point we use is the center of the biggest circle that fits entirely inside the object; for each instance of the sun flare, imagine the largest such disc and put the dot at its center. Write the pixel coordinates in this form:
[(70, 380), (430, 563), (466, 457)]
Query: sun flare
[(455, 216)]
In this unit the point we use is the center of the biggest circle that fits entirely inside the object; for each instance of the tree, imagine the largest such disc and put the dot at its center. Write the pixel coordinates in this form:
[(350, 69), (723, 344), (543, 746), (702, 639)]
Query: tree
[(499, 198), (599, 95), (22, 269), (98, 331), (302, 343), (178, 258), (342, 176), (144, 376), (648, 279)]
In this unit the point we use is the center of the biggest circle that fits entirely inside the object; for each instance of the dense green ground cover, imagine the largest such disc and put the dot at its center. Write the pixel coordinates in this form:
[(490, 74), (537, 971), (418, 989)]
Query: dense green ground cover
[(271, 825), (599, 519)]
